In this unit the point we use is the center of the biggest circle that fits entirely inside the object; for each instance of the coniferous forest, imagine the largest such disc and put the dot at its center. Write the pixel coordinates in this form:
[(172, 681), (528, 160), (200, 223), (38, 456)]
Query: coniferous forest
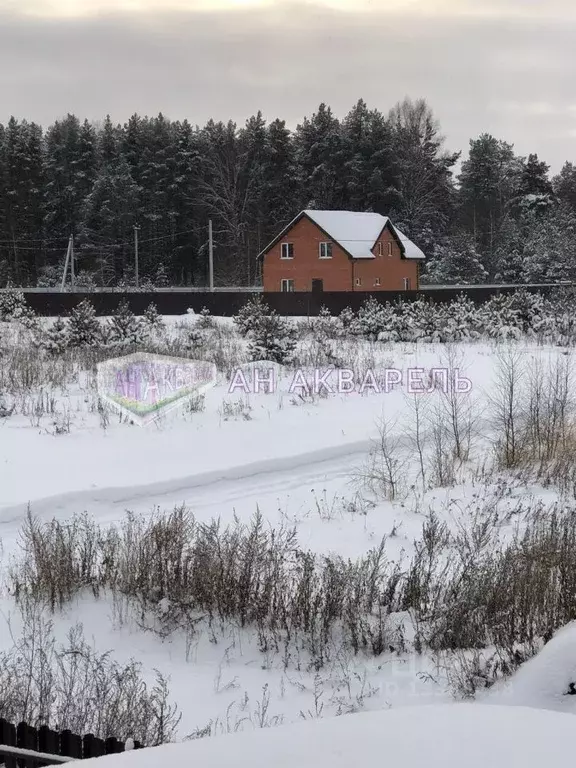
[(488, 216)]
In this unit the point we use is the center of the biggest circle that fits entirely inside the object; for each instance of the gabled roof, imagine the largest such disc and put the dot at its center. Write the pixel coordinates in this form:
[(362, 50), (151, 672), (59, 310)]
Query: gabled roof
[(355, 232)]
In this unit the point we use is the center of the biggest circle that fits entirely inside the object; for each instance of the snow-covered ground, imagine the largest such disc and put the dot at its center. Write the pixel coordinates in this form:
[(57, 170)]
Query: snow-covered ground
[(439, 737), (302, 462)]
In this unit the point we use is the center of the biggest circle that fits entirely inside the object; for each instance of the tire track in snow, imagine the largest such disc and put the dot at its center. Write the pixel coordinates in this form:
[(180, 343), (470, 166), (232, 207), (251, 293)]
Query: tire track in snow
[(208, 489)]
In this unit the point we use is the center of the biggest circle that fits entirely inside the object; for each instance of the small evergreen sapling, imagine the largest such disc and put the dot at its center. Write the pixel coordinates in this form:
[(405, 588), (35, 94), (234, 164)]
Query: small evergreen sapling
[(206, 320), (57, 339), (83, 326), (153, 320), (251, 316), (125, 327), (273, 339)]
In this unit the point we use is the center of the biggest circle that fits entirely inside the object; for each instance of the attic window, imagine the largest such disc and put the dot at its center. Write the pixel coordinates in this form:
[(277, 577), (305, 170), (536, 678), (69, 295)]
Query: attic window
[(325, 250), (389, 248), (380, 248), (287, 251)]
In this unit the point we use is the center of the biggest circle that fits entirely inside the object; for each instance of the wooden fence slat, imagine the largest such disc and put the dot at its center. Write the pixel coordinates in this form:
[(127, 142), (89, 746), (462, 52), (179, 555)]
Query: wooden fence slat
[(48, 740), (113, 746), (70, 744), (8, 737), (92, 746), (30, 747)]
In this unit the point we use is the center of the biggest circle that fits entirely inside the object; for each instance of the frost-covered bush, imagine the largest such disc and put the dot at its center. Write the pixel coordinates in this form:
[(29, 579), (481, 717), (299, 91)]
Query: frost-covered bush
[(251, 316), (346, 318), (56, 339), (460, 321), (11, 303), (14, 308), (500, 319), (83, 325), (373, 319), (153, 321), (420, 321), (125, 327), (326, 327), (205, 320), (274, 338)]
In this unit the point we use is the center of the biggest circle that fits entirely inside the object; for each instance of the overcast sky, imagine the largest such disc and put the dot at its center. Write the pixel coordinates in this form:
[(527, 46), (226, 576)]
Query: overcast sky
[(503, 66)]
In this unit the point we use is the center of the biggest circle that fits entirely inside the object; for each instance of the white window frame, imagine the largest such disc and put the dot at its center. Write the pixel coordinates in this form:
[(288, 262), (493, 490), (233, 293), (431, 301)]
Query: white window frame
[(389, 248), (286, 281), (407, 284), (358, 282), (325, 248), (380, 248), (287, 250), (377, 282)]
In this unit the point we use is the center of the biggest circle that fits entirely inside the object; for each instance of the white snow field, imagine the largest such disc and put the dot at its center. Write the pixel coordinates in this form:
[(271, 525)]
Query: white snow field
[(349, 473), (448, 736)]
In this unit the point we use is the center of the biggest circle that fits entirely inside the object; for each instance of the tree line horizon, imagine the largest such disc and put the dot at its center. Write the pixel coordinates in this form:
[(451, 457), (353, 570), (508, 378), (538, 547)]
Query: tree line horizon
[(500, 218)]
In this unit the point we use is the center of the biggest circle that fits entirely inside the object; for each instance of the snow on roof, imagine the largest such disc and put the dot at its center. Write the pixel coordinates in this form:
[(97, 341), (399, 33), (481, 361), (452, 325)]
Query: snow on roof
[(436, 736), (411, 250), (357, 232)]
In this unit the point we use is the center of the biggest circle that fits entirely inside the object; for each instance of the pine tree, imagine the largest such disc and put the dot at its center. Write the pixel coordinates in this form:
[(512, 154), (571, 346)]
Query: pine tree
[(456, 262), (125, 327), (152, 320), (489, 184), (320, 153), (109, 215), (509, 253), (24, 180), (564, 185), (273, 339), (83, 325), (424, 173), (56, 338), (370, 167), (70, 170)]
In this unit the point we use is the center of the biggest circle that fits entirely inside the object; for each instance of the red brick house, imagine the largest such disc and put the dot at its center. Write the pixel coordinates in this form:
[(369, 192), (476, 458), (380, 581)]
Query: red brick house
[(340, 251)]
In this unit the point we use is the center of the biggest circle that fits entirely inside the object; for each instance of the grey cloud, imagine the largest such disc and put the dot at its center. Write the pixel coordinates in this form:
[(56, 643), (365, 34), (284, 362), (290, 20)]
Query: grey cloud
[(286, 61)]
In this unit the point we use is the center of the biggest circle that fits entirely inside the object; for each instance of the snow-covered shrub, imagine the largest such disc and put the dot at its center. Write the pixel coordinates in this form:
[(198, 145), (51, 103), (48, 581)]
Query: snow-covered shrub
[(152, 320), (251, 315), (192, 339), (125, 327), (373, 319), (83, 325), (67, 684), (420, 321), (205, 320), (325, 326), (499, 319), (346, 319), (56, 339), (12, 303), (460, 322), (273, 338), (14, 308)]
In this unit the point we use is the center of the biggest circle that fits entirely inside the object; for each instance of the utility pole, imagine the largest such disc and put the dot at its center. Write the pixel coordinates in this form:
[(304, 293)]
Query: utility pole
[(63, 286), (72, 273), (210, 255), (136, 230)]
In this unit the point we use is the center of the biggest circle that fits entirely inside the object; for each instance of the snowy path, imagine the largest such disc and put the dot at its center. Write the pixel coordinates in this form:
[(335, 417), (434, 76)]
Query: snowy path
[(227, 489)]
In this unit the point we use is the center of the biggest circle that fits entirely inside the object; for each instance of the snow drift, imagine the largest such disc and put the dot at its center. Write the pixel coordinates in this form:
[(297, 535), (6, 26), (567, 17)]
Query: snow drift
[(447, 736)]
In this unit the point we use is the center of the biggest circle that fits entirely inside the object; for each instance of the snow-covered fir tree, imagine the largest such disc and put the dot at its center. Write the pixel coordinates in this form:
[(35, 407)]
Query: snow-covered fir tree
[(83, 325), (456, 262)]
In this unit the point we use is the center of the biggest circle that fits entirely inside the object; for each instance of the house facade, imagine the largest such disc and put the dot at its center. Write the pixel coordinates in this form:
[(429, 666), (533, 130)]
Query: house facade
[(340, 251)]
